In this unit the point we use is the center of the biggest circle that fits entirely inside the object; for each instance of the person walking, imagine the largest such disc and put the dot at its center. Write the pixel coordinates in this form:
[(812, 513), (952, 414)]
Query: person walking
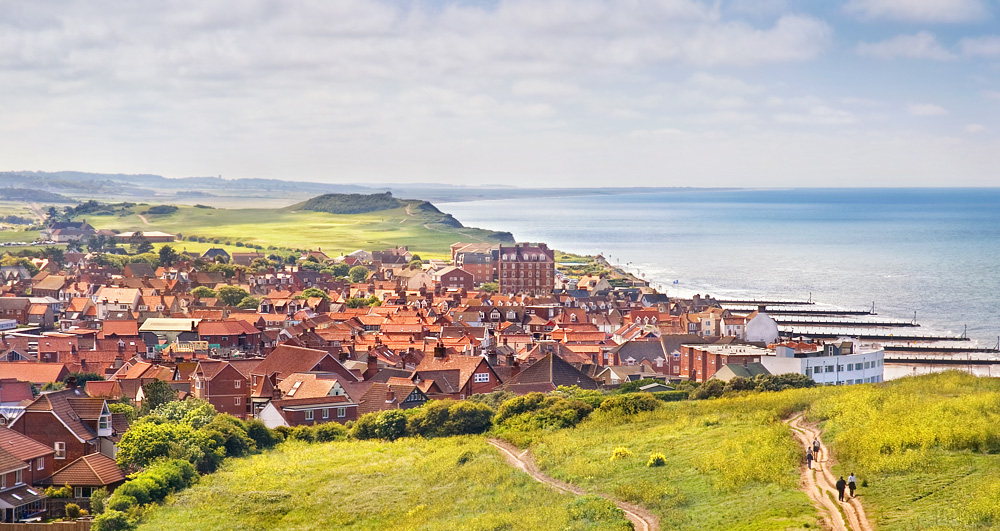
[(816, 446), (809, 459), (852, 483), (841, 486)]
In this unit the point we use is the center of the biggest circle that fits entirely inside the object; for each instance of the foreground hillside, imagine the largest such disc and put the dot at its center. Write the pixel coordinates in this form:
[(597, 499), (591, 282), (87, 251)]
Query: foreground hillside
[(454, 483), (926, 452)]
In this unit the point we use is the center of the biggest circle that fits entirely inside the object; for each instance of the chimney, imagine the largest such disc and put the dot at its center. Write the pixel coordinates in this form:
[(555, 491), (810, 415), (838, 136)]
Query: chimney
[(491, 358), (390, 396), (71, 382), (372, 368), (511, 360), (440, 351)]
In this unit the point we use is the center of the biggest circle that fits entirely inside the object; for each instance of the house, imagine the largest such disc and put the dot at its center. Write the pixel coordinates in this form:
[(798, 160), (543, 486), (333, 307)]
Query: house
[(546, 375), (397, 393), (480, 259), (18, 500), (36, 373), (839, 363), (38, 456), (165, 331), (700, 362), (69, 422), (233, 334), (453, 278), (85, 475), (308, 411), (15, 308), (286, 360), (619, 374), (735, 370), (151, 236), (216, 253), (526, 268), (222, 385), (445, 375)]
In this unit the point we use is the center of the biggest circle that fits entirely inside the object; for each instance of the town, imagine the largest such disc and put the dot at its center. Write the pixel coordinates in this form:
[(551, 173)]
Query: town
[(316, 339)]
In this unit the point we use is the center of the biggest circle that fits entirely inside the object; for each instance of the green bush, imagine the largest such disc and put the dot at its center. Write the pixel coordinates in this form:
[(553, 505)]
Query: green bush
[(98, 500), (330, 431), (72, 511), (387, 425), (442, 418), (112, 520), (595, 512), (261, 435), (629, 404), (621, 453), (120, 502), (671, 396), (59, 492), (710, 389), (303, 433)]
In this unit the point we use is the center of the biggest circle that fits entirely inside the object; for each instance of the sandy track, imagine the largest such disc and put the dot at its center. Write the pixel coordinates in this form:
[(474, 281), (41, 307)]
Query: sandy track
[(819, 483), (143, 218), (641, 518)]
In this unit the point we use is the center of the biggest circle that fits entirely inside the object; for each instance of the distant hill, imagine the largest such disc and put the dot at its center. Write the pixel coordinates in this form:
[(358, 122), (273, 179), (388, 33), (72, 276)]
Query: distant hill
[(26, 194), (350, 203)]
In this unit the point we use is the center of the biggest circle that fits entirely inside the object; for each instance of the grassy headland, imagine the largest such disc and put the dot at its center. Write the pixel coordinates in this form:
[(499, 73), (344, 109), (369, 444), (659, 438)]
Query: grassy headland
[(410, 484)]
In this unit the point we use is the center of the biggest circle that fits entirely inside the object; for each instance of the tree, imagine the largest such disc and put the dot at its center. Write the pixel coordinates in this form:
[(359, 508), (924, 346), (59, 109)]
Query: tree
[(156, 393), (203, 292), (83, 377), (144, 247), (490, 287), (249, 303), (74, 245), (416, 264), (51, 214), (168, 255), (55, 255), (358, 274), (315, 292), (232, 295), (193, 412), (341, 270), (96, 242)]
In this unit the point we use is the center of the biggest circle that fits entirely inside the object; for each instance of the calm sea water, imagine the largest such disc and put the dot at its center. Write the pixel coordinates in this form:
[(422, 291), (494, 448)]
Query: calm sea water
[(935, 252)]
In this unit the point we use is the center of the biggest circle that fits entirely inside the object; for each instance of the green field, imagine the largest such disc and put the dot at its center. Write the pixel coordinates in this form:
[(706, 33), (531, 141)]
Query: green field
[(410, 484), (281, 228)]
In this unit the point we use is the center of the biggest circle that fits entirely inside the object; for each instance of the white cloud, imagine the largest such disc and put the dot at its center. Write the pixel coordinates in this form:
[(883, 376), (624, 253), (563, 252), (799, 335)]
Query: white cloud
[(925, 109), (949, 11), (987, 47), (975, 128), (923, 45), (545, 88), (818, 115)]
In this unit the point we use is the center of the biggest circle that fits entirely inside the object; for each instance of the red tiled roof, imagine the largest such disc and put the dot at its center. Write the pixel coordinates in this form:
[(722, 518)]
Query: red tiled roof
[(21, 446), (28, 371), (94, 470)]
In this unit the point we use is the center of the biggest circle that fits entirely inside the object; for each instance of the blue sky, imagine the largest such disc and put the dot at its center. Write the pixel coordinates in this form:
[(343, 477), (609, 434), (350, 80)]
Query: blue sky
[(558, 93)]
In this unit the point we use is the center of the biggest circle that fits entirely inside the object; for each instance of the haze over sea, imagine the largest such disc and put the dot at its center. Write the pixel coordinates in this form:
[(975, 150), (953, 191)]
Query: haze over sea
[(935, 252)]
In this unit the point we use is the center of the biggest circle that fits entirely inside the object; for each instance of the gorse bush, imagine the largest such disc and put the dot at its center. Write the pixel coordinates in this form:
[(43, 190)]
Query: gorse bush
[(595, 512), (386, 425), (441, 418), (656, 459), (620, 452), (153, 485), (629, 404)]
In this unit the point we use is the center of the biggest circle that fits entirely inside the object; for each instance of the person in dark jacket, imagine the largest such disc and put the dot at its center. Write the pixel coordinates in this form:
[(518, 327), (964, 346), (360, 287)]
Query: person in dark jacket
[(809, 459), (841, 487)]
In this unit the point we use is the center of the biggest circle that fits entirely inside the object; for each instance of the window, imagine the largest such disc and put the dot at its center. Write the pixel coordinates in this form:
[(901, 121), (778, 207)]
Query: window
[(868, 365), (237, 401), (3, 481), (326, 412), (840, 368), (238, 384), (40, 463), (850, 366), (18, 477), (60, 448), (482, 377), (309, 414), (341, 412), (197, 384)]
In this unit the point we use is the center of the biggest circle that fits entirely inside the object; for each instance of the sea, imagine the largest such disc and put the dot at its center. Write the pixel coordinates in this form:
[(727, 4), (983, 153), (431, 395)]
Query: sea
[(929, 254)]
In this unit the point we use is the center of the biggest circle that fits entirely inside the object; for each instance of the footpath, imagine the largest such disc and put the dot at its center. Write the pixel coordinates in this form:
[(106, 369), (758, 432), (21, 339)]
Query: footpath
[(819, 483), (641, 518)]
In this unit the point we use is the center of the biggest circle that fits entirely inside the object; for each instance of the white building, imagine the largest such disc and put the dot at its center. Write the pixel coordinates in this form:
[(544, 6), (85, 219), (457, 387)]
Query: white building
[(762, 329), (840, 363)]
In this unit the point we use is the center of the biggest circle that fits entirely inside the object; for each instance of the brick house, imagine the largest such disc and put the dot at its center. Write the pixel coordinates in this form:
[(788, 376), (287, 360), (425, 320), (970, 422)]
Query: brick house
[(18, 500), (69, 422), (700, 362), (453, 278), (526, 268), (480, 259), (308, 411), (222, 385), (445, 375)]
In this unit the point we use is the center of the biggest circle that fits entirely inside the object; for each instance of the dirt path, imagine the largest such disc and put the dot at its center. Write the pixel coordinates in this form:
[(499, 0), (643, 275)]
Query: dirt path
[(641, 518), (819, 483), (38, 211), (143, 218)]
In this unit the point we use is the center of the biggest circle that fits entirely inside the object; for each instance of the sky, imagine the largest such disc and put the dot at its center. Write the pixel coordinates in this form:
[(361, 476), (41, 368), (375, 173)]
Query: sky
[(555, 93)]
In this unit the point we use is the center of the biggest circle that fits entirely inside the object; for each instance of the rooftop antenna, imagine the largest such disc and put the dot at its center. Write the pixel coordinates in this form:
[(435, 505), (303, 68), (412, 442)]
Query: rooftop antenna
[(873, 308), (914, 322)]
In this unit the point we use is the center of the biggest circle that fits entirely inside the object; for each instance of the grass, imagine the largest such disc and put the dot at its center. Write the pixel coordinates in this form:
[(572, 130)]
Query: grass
[(731, 464), (410, 484), (303, 230)]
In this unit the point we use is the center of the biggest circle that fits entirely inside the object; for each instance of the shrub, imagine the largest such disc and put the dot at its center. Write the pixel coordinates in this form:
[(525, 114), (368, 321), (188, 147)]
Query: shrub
[(621, 453), (494, 399), (72, 511), (671, 396), (442, 418), (710, 389), (112, 520), (261, 435), (330, 431), (98, 500), (59, 492), (597, 510), (120, 502), (656, 459), (633, 387), (629, 404), (303, 433), (388, 425)]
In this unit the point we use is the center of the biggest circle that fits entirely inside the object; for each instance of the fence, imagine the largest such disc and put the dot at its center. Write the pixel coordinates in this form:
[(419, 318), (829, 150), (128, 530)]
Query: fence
[(79, 525)]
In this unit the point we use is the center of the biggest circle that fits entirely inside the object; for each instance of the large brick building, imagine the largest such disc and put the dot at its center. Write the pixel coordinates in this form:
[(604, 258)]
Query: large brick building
[(480, 259), (527, 268)]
